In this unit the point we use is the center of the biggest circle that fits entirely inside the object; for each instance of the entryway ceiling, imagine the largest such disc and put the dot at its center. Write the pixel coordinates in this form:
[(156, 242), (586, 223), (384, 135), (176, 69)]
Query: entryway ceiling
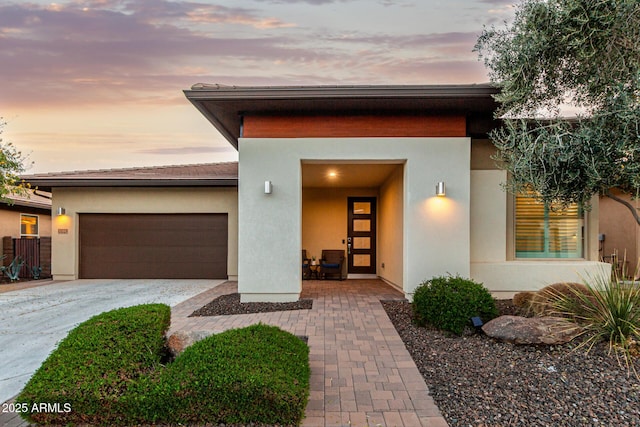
[(346, 174)]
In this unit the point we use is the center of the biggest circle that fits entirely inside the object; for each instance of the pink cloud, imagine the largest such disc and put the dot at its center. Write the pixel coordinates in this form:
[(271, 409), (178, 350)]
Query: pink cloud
[(144, 52)]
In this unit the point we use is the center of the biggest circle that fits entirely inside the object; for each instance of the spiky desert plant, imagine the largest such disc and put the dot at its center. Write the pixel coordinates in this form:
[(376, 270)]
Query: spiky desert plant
[(609, 311)]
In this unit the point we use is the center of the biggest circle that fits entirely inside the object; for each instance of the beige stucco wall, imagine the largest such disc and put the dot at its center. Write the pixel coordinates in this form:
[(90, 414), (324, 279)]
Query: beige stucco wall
[(492, 260), (435, 232), (390, 226), (489, 216), (621, 232), (10, 223), (65, 243)]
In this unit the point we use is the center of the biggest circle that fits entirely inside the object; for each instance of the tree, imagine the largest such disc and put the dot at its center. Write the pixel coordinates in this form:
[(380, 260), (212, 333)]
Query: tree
[(584, 54), (11, 165)]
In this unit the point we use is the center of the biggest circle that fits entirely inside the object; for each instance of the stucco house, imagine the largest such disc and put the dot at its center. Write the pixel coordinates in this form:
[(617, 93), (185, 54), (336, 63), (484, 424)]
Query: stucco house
[(25, 228), (161, 222), (27, 215), (326, 167)]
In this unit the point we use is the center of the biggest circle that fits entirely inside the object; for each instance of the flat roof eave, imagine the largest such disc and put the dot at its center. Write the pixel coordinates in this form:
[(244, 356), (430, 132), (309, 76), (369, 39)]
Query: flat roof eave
[(224, 105)]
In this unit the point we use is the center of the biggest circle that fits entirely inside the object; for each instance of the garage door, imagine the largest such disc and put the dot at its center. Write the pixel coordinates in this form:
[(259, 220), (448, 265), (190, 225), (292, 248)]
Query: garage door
[(150, 246)]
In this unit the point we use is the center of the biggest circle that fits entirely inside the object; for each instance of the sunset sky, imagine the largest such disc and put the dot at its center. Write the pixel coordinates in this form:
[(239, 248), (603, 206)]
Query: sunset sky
[(98, 84)]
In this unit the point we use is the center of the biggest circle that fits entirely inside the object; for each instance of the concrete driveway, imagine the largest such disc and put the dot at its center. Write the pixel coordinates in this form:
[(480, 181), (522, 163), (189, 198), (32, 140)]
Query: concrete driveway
[(33, 320)]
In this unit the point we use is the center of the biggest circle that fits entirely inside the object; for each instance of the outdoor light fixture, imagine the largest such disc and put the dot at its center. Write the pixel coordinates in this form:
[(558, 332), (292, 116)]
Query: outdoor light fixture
[(440, 191), (477, 323), (60, 211), (268, 187)]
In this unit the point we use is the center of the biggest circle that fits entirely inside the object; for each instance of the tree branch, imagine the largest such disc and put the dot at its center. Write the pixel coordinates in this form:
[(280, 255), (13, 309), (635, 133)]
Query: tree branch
[(629, 206)]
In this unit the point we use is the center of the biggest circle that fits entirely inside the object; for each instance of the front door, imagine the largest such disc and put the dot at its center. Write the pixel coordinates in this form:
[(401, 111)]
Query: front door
[(361, 239)]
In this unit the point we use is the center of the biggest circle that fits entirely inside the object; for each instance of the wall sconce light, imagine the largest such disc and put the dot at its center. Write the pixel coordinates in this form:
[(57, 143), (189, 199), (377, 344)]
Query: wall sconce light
[(60, 211), (440, 190), (268, 187)]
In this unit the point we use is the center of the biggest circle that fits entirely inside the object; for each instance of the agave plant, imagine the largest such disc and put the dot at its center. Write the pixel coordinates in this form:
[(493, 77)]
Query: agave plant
[(36, 272), (13, 270)]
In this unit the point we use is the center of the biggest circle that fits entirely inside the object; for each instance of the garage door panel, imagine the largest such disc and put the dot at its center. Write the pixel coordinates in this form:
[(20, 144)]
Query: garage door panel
[(136, 252), (153, 245)]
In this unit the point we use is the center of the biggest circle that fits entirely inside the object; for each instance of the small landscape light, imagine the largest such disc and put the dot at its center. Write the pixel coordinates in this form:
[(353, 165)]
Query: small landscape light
[(477, 322)]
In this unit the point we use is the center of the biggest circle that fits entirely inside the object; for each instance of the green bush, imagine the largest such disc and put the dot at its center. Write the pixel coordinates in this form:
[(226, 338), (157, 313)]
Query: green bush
[(108, 371), (449, 302), (96, 363), (259, 374)]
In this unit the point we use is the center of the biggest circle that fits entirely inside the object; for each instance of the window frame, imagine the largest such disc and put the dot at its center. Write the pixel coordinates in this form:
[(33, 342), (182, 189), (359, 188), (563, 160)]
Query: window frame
[(511, 241), (25, 235)]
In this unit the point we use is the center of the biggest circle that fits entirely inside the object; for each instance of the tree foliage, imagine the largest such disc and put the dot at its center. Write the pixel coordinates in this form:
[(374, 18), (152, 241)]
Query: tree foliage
[(11, 166), (584, 54)]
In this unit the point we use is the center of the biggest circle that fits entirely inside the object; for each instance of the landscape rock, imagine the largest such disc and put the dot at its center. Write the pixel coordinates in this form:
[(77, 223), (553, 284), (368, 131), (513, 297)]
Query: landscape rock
[(540, 303), (180, 340), (531, 330)]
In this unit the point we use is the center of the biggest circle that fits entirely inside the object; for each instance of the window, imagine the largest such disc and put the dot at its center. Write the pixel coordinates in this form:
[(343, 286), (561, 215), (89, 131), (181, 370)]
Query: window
[(541, 232), (28, 225)]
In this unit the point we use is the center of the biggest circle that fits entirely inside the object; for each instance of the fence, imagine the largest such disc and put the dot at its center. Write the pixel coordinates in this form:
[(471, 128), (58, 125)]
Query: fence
[(35, 251)]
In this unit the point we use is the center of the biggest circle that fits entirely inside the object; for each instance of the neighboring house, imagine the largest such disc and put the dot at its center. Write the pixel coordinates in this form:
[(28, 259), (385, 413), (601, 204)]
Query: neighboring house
[(620, 235), (342, 167), (26, 216), (25, 221), (160, 222)]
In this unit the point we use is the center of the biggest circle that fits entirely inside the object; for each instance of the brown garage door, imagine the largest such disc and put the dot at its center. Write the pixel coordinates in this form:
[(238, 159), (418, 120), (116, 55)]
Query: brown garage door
[(150, 246)]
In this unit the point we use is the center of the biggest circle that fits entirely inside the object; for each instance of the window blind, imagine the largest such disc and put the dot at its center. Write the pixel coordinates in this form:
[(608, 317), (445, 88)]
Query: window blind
[(541, 232)]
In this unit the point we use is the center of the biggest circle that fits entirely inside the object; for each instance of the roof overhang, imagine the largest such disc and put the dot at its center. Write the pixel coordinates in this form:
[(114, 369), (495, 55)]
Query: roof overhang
[(224, 174), (224, 106), (34, 205), (46, 184), (30, 199)]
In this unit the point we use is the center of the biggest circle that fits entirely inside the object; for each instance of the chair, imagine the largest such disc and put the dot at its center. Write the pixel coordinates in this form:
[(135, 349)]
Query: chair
[(332, 263), (306, 270)]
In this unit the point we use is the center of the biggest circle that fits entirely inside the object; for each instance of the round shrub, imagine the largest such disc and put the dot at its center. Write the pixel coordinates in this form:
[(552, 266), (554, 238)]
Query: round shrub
[(449, 302)]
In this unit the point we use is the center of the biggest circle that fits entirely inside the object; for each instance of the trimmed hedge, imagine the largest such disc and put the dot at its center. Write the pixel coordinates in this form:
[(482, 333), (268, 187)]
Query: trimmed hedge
[(95, 365), (108, 372), (258, 374), (449, 302)]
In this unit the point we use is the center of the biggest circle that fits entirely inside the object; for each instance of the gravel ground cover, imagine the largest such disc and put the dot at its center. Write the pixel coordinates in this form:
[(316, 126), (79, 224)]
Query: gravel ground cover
[(477, 381), (230, 304)]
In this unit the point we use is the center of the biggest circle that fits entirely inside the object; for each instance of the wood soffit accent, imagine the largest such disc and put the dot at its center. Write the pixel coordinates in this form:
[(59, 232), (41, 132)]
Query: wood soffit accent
[(332, 126)]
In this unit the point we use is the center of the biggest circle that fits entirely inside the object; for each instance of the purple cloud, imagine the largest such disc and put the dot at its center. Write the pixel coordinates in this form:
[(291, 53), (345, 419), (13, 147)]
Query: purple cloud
[(413, 40), (311, 2), (57, 53), (498, 2), (142, 52)]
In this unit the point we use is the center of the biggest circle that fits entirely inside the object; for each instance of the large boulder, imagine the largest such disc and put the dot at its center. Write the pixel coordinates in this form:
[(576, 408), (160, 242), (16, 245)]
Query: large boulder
[(180, 340), (532, 330)]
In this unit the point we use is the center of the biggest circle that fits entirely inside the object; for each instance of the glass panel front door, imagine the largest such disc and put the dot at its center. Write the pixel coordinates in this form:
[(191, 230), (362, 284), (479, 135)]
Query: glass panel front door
[(361, 240)]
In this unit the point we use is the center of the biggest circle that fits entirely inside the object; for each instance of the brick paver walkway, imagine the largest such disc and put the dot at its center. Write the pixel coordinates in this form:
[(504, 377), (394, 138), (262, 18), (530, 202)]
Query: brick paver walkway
[(361, 373)]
